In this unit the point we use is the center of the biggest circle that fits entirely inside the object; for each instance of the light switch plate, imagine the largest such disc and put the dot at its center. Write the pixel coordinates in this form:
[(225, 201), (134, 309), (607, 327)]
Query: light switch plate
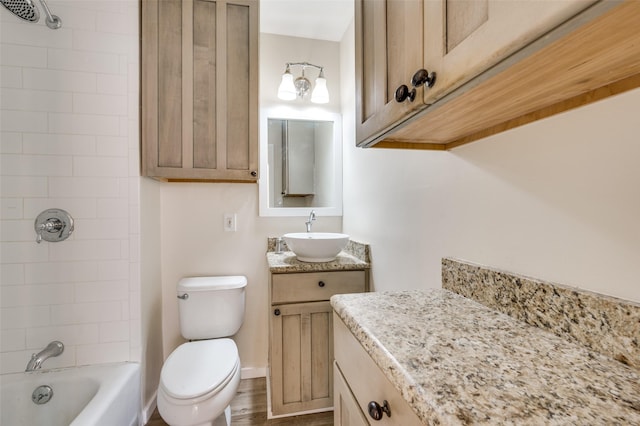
[(230, 223)]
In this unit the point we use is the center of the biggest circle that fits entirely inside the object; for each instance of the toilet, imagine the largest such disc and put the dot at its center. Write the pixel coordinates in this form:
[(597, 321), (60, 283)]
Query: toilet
[(200, 378)]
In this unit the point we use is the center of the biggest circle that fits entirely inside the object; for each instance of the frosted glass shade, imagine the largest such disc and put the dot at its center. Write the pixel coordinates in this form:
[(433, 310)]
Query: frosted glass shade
[(320, 94), (286, 90)]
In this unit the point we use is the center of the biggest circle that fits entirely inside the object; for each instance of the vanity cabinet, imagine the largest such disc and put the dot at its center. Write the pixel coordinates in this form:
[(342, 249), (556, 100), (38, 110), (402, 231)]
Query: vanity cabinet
[(496, 63), (301, 338), (363, 395), (199, 85)]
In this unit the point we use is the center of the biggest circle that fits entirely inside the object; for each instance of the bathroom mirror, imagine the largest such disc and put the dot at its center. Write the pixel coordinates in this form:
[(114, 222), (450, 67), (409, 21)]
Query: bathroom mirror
[(301, 162)]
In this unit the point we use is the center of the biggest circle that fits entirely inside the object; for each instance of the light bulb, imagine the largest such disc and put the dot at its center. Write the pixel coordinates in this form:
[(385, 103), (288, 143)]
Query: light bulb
[(286, 90), (320, 94)]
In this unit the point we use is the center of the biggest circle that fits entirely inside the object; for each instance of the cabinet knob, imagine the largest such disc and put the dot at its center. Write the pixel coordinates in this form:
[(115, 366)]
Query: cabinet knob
[(276, 312), (423, 76), (403, 93), (375, 410), (254, 173), (321, 283)]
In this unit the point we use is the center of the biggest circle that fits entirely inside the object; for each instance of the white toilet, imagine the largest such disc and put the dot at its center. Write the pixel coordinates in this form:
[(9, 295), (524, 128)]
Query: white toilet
[(200, 378)]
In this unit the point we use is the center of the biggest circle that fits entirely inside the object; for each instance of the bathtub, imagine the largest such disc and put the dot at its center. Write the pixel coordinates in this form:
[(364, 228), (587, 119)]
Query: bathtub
[(94, 395)]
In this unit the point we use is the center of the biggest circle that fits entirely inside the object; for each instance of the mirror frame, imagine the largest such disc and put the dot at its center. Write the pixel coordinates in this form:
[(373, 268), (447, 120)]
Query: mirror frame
[(311, 114)]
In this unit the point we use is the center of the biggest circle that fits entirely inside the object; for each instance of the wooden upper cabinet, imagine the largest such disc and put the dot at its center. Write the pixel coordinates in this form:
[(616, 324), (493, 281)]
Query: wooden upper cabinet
[(499, 64), (200, 90), (389, 49), (465, 38)]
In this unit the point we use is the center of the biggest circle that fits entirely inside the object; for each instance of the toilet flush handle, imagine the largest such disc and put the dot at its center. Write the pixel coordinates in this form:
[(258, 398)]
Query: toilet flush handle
[(183, 296)]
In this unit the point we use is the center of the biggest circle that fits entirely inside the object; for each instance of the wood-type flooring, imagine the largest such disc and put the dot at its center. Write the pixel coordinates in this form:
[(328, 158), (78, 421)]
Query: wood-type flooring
[(249, 408)]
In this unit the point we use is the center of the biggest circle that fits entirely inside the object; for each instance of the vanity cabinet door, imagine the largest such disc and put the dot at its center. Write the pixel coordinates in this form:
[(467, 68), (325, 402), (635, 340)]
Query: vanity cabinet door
[(301, 356), (345, 407), (199, 90), (367, 382)]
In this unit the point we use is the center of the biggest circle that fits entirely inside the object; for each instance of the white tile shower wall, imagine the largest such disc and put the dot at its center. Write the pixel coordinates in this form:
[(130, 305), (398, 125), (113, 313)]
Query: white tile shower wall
[(69, 139)]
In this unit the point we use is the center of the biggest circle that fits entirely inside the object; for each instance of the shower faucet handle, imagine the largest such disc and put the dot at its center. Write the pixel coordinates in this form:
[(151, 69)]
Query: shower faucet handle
[(53, 225)]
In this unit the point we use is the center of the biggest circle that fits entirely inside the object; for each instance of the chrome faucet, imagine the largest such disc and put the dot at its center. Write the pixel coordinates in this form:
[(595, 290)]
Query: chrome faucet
[(54, 348), (312, 217)]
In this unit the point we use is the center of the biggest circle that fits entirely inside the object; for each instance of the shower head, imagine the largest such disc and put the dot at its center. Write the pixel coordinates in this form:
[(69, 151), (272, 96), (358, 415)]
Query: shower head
[(25, 9)]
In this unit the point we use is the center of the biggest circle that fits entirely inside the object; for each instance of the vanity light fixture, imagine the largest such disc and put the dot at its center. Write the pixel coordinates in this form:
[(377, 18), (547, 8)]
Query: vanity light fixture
[(291, 89)]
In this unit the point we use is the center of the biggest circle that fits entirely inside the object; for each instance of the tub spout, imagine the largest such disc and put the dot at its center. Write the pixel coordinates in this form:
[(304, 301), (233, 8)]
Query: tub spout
[(54, 348)]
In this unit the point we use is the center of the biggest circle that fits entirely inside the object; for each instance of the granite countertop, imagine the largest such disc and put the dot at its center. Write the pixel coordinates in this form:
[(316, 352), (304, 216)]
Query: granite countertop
[(456, 361), (354, 257)]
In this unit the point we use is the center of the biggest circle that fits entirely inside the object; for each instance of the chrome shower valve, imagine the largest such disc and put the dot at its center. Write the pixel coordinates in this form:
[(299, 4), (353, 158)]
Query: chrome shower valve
[(53, 225)]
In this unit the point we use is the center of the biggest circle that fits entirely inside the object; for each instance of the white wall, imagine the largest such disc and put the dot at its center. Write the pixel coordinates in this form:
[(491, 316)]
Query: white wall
[(277, 50), (194, 243), (151, 291), (558, 199), (70, 140)]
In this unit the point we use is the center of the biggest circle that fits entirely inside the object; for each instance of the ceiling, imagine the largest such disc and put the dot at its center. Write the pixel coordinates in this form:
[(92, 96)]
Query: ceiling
[(316, 19)]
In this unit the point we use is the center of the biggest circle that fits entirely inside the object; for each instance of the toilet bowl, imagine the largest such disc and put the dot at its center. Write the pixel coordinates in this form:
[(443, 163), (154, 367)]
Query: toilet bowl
[(198, 381), (200, 378)]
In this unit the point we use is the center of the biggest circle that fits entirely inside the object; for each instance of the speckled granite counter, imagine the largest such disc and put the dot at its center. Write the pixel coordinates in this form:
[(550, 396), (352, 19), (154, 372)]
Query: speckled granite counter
[(354, 257), (605, 324), (456, 361)]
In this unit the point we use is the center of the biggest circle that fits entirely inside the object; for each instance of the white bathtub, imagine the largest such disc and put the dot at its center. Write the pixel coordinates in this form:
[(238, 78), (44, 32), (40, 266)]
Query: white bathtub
[(94, 395)]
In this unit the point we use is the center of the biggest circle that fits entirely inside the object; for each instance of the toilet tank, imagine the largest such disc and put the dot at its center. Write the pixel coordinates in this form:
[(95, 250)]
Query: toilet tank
[(211, 307)]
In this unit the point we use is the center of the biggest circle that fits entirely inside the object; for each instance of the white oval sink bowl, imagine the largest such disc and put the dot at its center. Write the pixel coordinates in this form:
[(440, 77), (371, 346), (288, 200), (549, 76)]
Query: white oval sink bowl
[(316, 246)]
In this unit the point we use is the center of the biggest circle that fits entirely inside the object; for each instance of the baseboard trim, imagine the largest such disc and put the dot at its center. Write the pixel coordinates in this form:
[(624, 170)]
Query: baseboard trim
[(253, 372), (149, 408)]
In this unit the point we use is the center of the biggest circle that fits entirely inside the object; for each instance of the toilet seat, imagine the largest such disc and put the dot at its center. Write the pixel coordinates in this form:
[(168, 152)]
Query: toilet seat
[(200, 368)]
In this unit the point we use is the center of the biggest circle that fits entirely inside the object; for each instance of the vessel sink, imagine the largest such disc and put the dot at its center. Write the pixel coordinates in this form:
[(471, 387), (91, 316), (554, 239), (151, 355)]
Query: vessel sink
[(316, 246)]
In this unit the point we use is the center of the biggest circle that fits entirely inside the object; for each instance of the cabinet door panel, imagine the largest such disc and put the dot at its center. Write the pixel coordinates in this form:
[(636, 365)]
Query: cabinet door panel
[(204, 84), (169, 70), (464, 38), (404, 56), (199, 89), (389, 50), (371, 16), (301, 353), (462, 19), (321, 355), (237, 92), (346, 411), (292, 334)]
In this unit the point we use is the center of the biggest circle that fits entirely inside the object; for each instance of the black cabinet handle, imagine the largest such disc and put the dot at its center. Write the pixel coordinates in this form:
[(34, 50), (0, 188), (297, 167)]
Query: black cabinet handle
[(423, 76), (375, 410), (321, 283), (403, 93), (276, 312), (254, 173)]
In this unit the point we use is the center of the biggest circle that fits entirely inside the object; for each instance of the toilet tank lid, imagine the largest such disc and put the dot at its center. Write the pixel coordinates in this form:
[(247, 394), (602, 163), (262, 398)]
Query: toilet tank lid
[(212, 283)]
